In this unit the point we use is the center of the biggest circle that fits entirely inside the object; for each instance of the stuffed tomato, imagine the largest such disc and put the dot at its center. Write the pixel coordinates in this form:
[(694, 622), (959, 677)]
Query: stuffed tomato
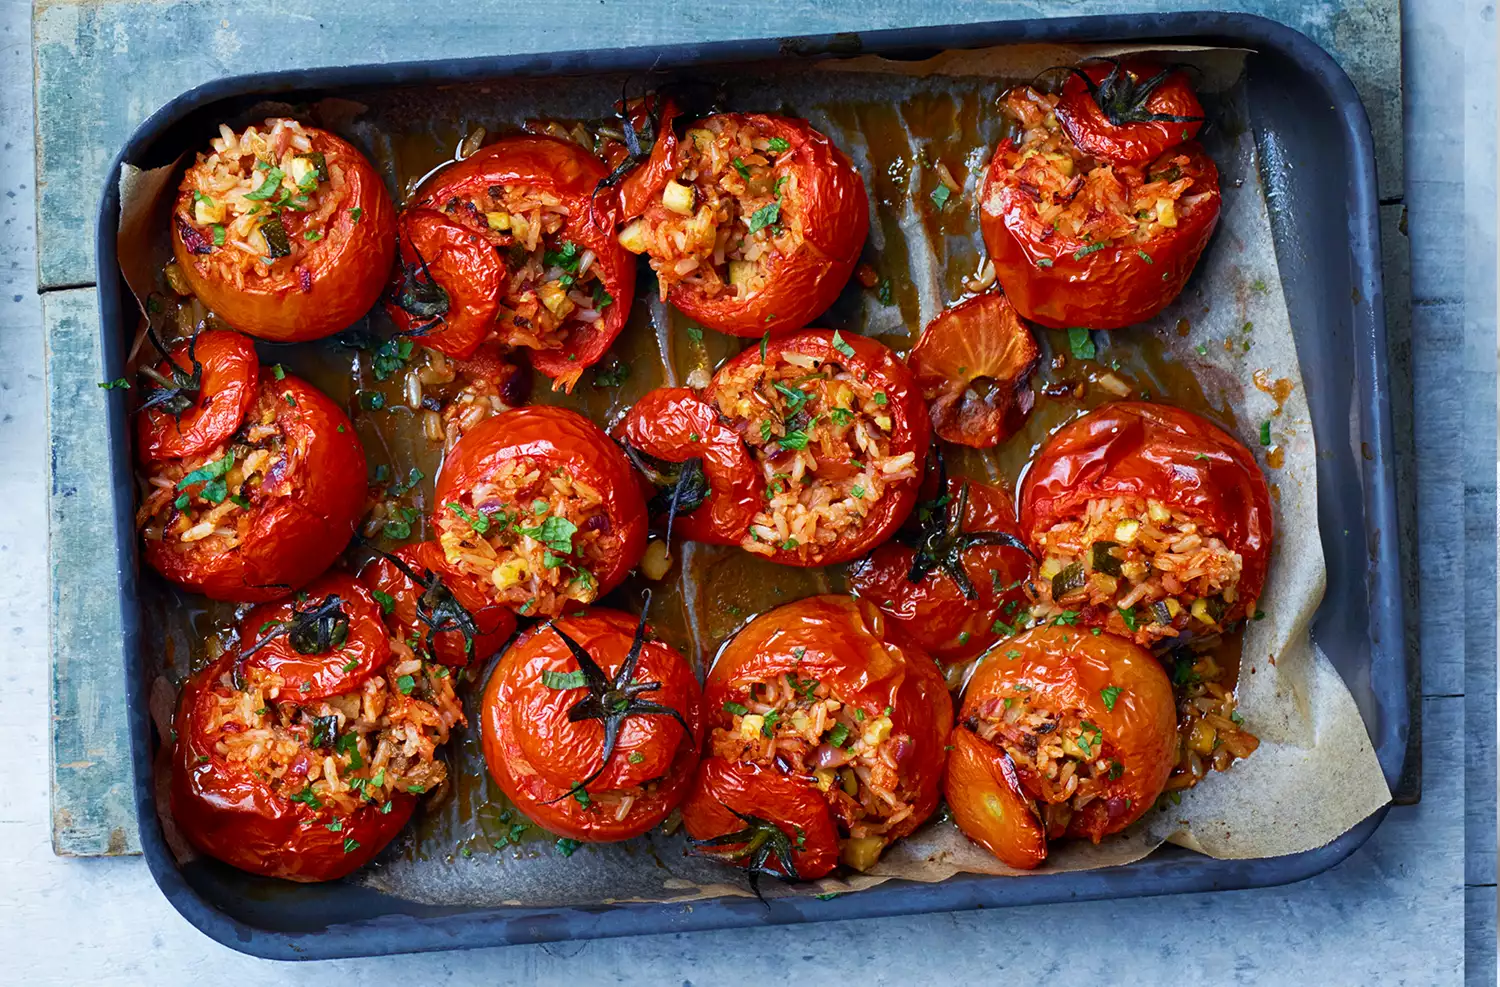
[(823, 729), (538, 510), (753, 223), (1079, 240), (1061, 733), (590, 725), (1148, 521), (300, 754), (839, 435), (509, 244), (261, 501), (453, 625), (1128, 111), (285, 231)]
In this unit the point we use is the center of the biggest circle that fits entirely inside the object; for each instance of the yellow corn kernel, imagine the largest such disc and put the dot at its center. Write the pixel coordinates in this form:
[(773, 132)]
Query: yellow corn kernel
[(1202, 738), (824, 778), (555, 297), (656, 561), (678, 198), (1166, 212), (876, 731), (508, 574), (883, 422), (633, 237), (1126, 531), (1199, 611), (498, 220), (843, 396), (750, 725), (206, 212), (861, 852), (1158, 513)]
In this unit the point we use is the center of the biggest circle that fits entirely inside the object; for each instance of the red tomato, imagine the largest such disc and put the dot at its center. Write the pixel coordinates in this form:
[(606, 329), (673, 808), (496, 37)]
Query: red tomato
[(746, 405), (212, 379), (446, 289), (323, 644), (575, 757), (553, 442), (229, 813), (676, 440), (1128, 112), (434, 612), (823, 203), (809, 652), (547, 165), (1108, 693), (955, 582), (1145, 450), (973, 365), (300, 517), (340, 252)]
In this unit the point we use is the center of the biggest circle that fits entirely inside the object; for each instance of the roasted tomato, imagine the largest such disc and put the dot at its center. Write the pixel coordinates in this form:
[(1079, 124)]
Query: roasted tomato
[(753, 223), (1149, 521), (266, 510), (591, 726), (839, 434), (455, 625), (954, 581), (1080, 242), (290, 762), (200, 395), (510, 243), (538, 510), (1128, 112), (973, 365), (285, 231), (1063, 734), (816, 695), (708, 487)]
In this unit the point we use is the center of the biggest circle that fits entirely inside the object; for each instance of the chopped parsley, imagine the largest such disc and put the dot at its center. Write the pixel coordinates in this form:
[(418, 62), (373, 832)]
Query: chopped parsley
[(1092, 248), (1081, 342), (406, 684), (1265, 432), (941, 195), (555, 533), (735, 709), (841, 346), (1110, 695), (564, 680)]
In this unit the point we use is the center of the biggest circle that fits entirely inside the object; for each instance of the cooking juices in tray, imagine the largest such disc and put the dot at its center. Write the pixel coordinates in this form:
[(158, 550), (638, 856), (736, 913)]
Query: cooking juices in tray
[(791, 455)]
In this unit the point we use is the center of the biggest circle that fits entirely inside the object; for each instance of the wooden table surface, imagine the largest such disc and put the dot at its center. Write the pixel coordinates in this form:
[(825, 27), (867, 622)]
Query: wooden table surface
[(1391, 913)]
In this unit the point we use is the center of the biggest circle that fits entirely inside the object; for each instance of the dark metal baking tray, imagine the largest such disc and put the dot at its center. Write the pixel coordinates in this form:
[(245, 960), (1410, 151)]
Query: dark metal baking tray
[(1303, 111)]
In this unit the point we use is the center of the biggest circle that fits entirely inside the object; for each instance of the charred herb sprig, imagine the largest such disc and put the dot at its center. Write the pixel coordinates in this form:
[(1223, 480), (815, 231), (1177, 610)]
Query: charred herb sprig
[(420, 295), (177, 390), (1123, 99), (940, 540)]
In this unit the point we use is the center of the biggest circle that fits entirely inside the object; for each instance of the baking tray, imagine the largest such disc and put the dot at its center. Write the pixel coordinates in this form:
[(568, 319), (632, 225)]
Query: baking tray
[(1318, 173)]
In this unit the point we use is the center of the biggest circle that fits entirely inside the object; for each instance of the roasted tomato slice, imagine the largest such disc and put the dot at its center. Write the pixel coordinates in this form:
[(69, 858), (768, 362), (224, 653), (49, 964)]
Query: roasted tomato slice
[(285, 231), (591, 726), (1128, 112), (973, 365), (753, 223), (324, 643), (955, 580), (538, 510), (561, 286), (1064, 734), (251, 782), (455, 625), (818, 692), (264, 512), (1149, 521), (839, 434), (198, 397), (1079, 242), (707, 488)]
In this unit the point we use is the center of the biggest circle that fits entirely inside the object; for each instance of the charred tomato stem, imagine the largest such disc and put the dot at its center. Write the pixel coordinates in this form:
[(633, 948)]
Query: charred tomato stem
[(681, 487), (1123, 99), (421, 296), (437, 608), (754, 846), (176, 390), (941, 542), (313, 630)]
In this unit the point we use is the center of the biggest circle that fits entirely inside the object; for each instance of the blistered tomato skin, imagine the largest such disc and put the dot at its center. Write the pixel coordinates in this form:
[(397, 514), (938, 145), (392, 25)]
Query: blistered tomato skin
[(300, 522), (494, 624), (1149, 450), (1062, 282), (830, 205), (553, 766), (1105, 681), (224, 395), (726, 792), (674, 426), (233, 816), (340, 281), (1134, 141), (309, 677)]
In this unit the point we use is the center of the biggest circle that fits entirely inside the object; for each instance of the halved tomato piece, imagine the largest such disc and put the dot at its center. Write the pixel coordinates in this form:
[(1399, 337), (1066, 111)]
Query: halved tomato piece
[(974, 364)]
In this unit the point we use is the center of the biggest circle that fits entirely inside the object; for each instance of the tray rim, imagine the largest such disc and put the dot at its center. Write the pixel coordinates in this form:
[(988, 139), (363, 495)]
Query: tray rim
[(1169, 870)]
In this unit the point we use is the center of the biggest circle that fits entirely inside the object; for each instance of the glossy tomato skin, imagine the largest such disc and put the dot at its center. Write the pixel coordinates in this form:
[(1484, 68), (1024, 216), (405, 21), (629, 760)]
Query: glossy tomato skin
[(981, 337), (571, 173), (1144, 449), (227, 391), (342, 669), (468, 268), (848, 645), (725, 787), (495, 623), (302, 521), (911, 429), (1061, 282), (1065, 670), (831, 204), (342, 279), (1132, 143), (554, 438), (231, 815), (934, 612), (536, 754), (675, 425)]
